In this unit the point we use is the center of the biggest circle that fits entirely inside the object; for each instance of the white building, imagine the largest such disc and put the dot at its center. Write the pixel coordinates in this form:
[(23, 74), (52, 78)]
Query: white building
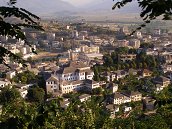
[(23, 92), (51, 36), (127, 109), (23, 89), (4, 83), (139, 34), (120, 98), (10, 74), (134, 43), (84, 97), (76, 71), (157, 32), (72, 78)]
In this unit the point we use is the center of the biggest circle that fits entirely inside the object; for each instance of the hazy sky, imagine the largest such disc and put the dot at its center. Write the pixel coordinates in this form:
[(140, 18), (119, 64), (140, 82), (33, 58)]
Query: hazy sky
[(80, 2)]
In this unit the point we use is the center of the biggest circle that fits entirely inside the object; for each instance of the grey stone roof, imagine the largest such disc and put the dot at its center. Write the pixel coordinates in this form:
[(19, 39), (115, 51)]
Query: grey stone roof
[(73, 67), (118, 95), (131, 93), (52, 78), (84, 96), (91, 81), (71, 82), (161, 79)]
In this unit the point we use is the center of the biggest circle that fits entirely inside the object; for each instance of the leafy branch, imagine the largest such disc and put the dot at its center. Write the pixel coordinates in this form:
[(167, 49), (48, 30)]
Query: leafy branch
[(151, 10), (27, 20)]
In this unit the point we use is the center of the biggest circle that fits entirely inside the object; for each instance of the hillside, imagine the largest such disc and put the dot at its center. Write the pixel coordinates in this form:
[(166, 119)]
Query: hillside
[(45, 6)]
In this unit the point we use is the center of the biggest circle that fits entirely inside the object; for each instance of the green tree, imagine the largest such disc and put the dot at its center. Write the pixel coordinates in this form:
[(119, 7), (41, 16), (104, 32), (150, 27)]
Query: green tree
[(133, 64), (36, 94), (97, 91), (96, 74), (145, 65), (24, 79), (8, 95), (140, 65)]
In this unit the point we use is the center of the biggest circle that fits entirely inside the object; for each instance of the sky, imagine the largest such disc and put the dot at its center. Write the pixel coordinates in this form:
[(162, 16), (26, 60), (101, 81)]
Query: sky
[(73, 2), (80, 2)]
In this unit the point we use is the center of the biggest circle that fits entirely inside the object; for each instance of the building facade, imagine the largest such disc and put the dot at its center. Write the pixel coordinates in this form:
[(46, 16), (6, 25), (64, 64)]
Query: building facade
[(75, 77)]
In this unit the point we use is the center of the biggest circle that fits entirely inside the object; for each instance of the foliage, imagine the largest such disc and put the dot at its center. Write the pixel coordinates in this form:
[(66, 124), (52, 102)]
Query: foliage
[(36, 94), (112, 62), (8, 95), (96, 74), (26, 77), (150, 10), (89, 115), (25, 18), (97, 91), (146, 45)]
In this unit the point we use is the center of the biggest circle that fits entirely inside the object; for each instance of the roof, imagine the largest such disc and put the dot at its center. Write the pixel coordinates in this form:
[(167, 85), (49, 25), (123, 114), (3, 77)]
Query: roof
[(88, 71), (84, 96), (131, 70), (131, 93), (3, 82), (111, 84), (73, 67), (118, 95), (23, 85), (161, 79), (52, 78), (64, 103), (77, 65), (94, 55), (149, 100), (146, 71), (91, 81), (110, 107), (120, 72), (21, 90), (64, 83), (69, 70)]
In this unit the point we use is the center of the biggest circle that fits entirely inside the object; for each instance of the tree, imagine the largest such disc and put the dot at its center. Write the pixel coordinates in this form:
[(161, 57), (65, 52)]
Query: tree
[(36, 94), (26, 77), (8, 95), (150, 10), (96, 74), (26, 19), (97, 91)]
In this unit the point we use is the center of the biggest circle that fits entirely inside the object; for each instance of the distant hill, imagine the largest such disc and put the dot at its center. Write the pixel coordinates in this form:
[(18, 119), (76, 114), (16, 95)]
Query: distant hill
[(45, 6), (106, 5), (102, 10), (60, 8)]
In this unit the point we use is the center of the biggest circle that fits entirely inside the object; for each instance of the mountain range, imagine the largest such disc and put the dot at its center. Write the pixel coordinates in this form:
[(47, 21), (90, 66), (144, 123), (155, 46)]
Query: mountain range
[(59, 8)]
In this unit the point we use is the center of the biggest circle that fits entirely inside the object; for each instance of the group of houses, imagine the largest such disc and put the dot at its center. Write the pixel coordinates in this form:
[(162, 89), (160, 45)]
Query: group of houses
[(74, 77)]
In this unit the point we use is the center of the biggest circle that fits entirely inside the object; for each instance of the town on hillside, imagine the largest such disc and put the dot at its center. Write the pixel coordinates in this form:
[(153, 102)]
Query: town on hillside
[(93, 61)]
